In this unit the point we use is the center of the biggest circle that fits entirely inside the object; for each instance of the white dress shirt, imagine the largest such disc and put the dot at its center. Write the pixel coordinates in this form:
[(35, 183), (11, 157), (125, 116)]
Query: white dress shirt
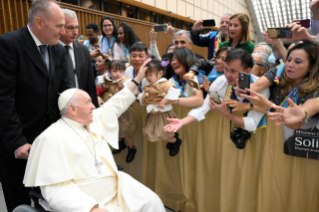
[(71, 50), (252, 119), (38, 43)]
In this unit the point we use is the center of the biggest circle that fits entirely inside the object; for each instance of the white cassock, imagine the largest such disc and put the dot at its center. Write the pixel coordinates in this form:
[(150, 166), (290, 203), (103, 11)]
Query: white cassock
[(61, 162)]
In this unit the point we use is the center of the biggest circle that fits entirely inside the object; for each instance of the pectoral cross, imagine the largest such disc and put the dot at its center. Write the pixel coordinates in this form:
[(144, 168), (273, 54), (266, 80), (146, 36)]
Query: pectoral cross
[(97, 165)]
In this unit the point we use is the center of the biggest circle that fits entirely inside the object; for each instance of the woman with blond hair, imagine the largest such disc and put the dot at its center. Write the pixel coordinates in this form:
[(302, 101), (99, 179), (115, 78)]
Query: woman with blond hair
[(239, 33)]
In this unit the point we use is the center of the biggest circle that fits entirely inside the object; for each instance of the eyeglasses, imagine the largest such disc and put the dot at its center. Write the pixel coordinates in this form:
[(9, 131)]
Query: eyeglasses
[(108, 25), (258, 64)]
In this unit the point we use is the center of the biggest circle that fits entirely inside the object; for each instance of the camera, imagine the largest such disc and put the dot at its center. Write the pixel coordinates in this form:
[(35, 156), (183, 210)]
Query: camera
[(239, 136)]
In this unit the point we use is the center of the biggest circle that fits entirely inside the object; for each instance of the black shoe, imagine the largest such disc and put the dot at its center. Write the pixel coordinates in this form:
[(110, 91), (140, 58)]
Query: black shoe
[(122, 146), (174, 149), (168, 145), (120, 168), (131, 154)]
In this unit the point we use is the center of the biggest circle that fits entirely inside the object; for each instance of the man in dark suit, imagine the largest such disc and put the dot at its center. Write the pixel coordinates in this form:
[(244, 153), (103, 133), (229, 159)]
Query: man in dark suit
[(79, 60), (33, 71)]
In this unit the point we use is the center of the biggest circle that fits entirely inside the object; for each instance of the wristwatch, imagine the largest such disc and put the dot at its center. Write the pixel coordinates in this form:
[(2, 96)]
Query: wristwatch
[(271, 109), (316, 40)]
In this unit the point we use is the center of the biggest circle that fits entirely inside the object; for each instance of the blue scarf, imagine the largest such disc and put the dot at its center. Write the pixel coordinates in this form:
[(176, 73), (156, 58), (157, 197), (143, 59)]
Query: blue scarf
[(213, 75), (179, 85), (106, 48), (292, 95)]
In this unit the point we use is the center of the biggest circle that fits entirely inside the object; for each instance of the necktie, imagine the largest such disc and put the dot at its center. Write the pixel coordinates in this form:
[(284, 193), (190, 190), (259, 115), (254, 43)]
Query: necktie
[(43, 51), (71, 70)]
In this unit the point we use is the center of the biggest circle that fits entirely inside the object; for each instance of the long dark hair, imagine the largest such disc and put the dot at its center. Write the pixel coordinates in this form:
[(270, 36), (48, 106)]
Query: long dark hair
[(114, 27), (186, 57), (130, 36)]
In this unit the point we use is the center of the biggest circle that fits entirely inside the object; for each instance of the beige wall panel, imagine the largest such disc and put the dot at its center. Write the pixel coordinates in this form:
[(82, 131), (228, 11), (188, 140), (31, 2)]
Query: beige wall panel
[(210, 6), (149, 2), (204, 4), (181, 8), (197, 13), (204, 15), (172, 5), (161, 4), (189, 10)]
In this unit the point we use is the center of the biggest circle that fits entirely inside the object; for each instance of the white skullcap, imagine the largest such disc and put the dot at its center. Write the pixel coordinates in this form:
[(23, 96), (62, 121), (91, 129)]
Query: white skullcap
[(65, 97)]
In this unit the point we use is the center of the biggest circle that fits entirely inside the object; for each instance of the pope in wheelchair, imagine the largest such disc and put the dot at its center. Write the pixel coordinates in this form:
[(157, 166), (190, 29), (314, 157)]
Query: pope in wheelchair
[(72, 162)]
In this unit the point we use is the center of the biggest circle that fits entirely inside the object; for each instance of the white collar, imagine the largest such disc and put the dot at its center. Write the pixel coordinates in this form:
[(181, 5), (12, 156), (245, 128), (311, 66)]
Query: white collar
[(108, 77), (63, 44), (36, 40), (160, 80), (72, 123)]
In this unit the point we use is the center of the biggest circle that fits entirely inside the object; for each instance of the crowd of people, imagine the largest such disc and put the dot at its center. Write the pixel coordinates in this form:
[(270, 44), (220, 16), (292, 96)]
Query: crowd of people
[(63, 102)]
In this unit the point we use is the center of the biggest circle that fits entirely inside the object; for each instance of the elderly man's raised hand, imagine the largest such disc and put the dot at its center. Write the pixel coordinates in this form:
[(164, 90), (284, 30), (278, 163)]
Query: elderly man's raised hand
[(170, 31), (143, 69), (153, 36), (99, 210)]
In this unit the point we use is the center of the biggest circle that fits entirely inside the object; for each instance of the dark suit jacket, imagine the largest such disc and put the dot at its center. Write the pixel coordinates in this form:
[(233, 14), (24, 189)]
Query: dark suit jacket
[(84, 70), (28, 91)]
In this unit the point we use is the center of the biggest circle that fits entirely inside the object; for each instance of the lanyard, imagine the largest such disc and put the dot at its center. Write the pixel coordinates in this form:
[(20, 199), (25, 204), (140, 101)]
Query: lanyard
[(180, 85), (139, 87)]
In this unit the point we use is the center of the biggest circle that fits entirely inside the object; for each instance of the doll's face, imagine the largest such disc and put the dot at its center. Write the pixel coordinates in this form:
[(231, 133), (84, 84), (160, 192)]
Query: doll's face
[(152, 76), (116, 74)]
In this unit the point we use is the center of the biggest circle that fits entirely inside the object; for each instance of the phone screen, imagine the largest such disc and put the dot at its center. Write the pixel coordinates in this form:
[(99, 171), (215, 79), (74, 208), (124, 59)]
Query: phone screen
[(209, 22), (160, 28), (244, 80), (280, 32), (214, 96)]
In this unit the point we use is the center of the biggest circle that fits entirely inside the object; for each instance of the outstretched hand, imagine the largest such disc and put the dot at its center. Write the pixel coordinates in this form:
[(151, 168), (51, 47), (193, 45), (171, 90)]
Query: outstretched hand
[(174, 125), (237, 106), (287, 116), (257, 99)]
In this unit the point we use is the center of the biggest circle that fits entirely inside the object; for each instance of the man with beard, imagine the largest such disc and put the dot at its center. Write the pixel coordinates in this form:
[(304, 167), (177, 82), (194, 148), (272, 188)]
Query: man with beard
[(92, 33), (213, 38)]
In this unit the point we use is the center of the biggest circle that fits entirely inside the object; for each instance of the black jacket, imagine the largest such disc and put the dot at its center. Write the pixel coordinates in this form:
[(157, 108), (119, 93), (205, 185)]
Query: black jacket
[(84, 70), (28, 91)]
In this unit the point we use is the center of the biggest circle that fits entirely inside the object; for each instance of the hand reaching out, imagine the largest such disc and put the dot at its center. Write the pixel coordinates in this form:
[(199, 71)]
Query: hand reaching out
[(287, 116), (205, 85), (190, 75), (174, 125), (198, 26)]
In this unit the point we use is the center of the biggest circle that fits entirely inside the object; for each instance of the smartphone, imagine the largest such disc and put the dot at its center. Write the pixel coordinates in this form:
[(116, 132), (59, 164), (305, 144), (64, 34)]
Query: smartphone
[(214, 96), (305, 23), (244, 81), (160, 28), (209, 22), (280, 32)]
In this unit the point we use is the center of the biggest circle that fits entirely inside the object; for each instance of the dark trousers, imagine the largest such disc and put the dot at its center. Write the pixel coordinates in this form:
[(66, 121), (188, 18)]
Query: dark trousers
[(11, 174)]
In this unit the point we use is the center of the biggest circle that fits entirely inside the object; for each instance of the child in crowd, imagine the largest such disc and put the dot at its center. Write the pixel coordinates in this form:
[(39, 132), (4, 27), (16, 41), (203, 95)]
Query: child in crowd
[(114, 82), (157, 96)]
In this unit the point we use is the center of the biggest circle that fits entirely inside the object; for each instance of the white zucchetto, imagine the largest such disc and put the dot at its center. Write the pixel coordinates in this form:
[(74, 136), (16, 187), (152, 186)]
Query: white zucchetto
[(65, 97)]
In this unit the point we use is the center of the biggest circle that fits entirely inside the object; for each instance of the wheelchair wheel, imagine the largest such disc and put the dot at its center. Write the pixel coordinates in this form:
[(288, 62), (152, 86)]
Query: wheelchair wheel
[(25, 208)]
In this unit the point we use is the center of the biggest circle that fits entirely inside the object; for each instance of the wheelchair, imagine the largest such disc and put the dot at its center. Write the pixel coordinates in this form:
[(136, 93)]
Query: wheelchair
[(36, 197)]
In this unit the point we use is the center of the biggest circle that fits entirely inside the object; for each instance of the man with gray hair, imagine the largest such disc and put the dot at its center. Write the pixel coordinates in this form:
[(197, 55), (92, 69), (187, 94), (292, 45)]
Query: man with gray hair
[(33, 72), (78, 56), (213, 38)]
